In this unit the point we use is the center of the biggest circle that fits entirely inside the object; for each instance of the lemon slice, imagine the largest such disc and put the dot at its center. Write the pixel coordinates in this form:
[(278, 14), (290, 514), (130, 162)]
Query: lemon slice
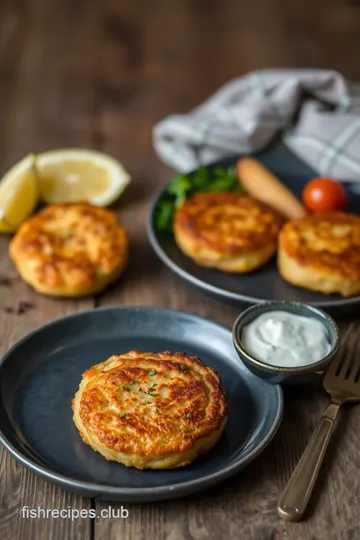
[(76, 175), (18, 195)]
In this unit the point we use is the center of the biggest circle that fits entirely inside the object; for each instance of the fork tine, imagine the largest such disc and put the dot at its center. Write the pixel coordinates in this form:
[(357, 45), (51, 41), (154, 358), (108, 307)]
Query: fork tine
[(336, 365), (356, 363), (355, 368), (350, 351)]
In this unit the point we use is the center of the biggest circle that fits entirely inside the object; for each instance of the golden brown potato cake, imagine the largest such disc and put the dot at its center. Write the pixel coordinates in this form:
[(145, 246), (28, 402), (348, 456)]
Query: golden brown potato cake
[(70, 249), (150, 410), (227, 231), (321, 252)]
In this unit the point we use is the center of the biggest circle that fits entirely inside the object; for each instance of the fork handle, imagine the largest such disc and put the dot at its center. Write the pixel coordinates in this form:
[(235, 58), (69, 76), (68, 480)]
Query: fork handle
[(298, 490)]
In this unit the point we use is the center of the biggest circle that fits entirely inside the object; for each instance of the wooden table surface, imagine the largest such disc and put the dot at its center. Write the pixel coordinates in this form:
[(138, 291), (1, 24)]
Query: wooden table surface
[(100, 74)]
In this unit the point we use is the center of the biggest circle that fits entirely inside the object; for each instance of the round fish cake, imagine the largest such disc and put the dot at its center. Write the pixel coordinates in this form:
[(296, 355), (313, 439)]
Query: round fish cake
[(70, 250), (150, 410), (321, 252), (227, 231)]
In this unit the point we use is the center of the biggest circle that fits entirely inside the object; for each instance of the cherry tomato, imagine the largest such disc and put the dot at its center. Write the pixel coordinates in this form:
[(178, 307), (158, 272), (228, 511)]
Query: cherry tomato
[(324, 195)]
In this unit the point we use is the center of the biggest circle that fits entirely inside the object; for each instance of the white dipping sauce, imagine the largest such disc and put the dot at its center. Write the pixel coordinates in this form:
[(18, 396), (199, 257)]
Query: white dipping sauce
[(283, 339)]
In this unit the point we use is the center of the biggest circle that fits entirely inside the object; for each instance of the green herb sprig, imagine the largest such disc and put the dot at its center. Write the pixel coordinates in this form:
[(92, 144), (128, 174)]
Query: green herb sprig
[(203, 180)]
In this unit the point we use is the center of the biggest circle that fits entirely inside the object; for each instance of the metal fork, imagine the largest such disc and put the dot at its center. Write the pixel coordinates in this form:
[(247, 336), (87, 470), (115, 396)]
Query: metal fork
[(342, 382)]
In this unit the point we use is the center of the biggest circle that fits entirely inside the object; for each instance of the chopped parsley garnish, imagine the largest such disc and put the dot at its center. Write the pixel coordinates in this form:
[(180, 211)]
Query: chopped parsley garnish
[(153, 372), (157, 410), (122, 414), (152, 394), (183, 367), (132, 382), (189, 415), (148, 403), (113, 373), (125, 389)]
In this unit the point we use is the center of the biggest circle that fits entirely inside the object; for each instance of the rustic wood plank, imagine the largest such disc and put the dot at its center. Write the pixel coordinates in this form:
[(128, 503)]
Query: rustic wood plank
[(21, 311), (101, 74), (46, 100)]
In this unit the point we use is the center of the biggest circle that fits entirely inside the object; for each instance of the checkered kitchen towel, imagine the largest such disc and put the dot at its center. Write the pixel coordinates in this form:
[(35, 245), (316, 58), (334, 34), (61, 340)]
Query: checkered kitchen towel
[(317, 112)]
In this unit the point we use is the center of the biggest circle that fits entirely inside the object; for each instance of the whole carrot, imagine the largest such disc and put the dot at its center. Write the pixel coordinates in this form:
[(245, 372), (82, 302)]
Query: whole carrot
[(263, 185)]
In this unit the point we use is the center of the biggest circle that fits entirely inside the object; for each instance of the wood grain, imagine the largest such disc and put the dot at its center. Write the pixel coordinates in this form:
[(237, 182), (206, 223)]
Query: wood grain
[(101, 74), (32, 109), (21, 311)]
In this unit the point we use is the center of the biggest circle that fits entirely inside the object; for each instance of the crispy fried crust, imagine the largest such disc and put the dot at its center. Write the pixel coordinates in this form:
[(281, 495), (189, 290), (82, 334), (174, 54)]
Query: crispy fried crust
[(150, 410), (70, 249), (321, 252), (228, 231)]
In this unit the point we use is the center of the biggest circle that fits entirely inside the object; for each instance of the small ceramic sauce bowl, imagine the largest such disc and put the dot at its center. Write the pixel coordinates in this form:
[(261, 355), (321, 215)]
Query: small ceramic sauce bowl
[(285, 375)]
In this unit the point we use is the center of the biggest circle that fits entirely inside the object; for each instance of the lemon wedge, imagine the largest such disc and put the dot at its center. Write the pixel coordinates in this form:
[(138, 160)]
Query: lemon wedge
[(18, 195), (76, 175)]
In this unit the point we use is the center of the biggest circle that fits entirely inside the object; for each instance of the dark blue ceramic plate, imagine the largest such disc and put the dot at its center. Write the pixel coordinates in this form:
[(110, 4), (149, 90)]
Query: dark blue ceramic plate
[(265, 284), (41, 373)]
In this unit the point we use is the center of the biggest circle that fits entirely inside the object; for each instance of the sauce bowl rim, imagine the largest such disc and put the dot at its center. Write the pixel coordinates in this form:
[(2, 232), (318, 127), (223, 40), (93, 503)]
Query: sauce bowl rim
[(327, 320)]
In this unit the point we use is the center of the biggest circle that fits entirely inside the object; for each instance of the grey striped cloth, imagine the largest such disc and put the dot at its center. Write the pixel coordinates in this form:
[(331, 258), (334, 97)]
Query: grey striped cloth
[(317, 112)]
